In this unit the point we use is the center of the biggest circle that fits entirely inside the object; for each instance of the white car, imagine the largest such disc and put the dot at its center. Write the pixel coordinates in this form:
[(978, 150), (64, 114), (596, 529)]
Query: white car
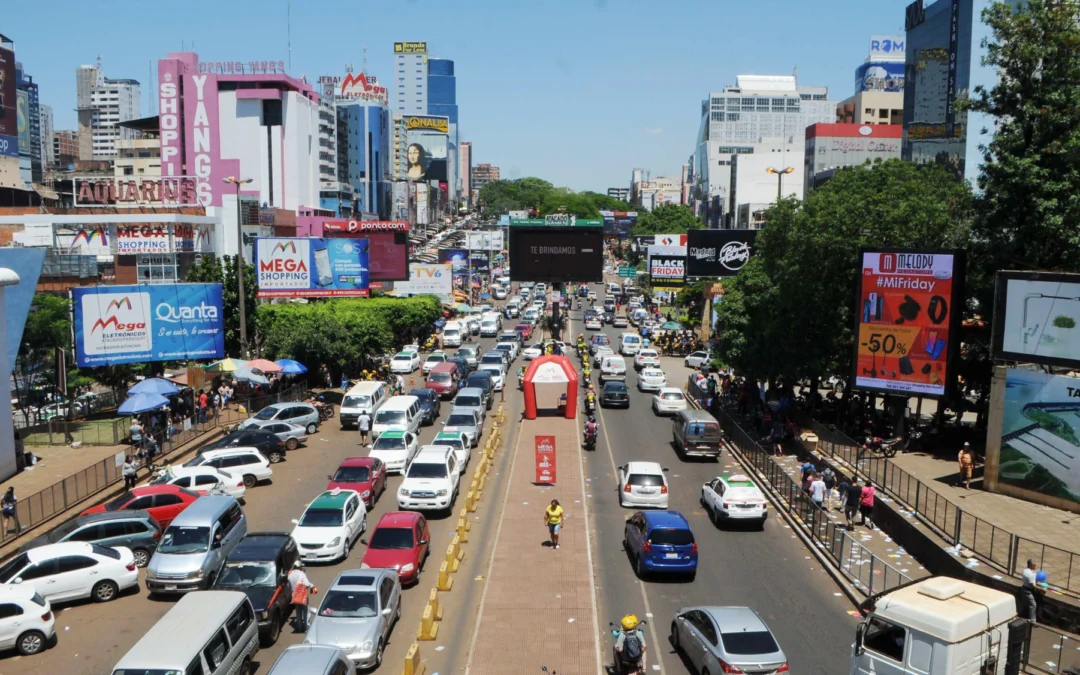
[(27, 623), (645, 358), (396, 449), (511, 347), (533, 352), (497, 377), (734, 498), (405, 362), (203, 480), (592, 295), (330, 525), (531, 316), (247, 463), (469, 354), (433, 359), (592, 323), (697, 359), (668, 401), (414, 348), (651, 379), (89, 571), (619, 321), (431, 482), (643, 484), (602, 351)]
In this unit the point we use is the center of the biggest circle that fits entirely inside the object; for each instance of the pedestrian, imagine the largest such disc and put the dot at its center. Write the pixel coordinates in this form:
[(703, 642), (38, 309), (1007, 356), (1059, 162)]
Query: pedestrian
[(866, 504), (364, 422), (829, 476), (817, 490), (135, 432), (301, 587), (8, 507), (1028, 588), (553, 518), (851, 495), (966, 460), (128, 469)]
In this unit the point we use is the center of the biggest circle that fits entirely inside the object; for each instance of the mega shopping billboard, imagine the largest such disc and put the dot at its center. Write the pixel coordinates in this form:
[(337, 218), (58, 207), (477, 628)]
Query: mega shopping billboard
[(388, 245), (907, 321), (556, 254), (718, 253), (151, 322), (308, 267), (1037, 318)]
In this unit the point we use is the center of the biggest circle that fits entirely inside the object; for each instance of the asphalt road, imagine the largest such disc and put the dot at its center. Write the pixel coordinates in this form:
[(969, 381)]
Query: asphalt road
[(93, 637), (770, 571)]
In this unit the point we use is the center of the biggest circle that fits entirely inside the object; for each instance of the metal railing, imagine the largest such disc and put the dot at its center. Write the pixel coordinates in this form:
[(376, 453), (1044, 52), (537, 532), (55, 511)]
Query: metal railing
[(41, 506), (1050, 651), (958, 527)]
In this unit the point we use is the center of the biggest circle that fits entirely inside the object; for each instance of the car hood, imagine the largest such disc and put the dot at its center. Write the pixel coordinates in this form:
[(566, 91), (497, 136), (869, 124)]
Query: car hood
[(388, 558), (316, 534), (258, 595), (345, 633), (360, 487), (175, 563), (412, 484), (389, 454)]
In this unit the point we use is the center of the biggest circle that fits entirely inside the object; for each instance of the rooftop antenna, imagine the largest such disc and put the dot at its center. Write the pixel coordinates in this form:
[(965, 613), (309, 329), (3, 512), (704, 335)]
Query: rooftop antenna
[(363, 67), (288, 29)]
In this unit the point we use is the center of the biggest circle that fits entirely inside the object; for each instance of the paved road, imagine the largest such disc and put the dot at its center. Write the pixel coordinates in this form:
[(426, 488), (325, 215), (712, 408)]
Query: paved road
[(768, 571), (92, 638)]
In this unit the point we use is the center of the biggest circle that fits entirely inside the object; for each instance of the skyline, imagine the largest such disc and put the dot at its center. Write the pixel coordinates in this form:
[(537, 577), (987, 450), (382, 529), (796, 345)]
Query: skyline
[(606, 85)]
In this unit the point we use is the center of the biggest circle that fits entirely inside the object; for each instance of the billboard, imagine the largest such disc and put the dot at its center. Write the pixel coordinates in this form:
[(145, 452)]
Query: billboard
[(306, 267), (388, 245), (1037, 318), (880, 76), (479, 263), (27, 263), (619, 223), (642, 242), (718, 253), (456, 257), (485, 241), (553, 254), (410, 48), (354, 87), (907, 321), (887, 47), (22, 121), (427, 150), (519, 215), (149, 322), (667, 270), (428, 280), (1040, 450), (9, 129)]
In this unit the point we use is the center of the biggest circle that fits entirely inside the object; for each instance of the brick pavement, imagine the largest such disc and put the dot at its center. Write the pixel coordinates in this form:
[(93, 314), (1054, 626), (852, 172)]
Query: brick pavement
[(539, 605)]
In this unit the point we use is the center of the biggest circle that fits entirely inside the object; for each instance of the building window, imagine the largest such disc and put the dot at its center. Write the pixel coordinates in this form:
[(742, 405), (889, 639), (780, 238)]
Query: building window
[(156, 269), (733, 117), (129, 171)]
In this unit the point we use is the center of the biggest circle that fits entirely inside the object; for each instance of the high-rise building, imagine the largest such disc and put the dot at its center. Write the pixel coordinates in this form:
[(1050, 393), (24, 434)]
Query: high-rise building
[(465, 170), (831, 147), (328, 138), (364, 159), (879, 85), (26, 92), (484, 174), (101, 104), (48, 159), (619, 193), (411, 78), (65, 148), (442, 101), (943, 61)]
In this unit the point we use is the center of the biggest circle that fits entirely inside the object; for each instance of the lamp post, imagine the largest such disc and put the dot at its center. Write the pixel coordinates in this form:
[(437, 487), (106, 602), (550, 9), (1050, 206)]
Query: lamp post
[(779, 179), (240, 264)]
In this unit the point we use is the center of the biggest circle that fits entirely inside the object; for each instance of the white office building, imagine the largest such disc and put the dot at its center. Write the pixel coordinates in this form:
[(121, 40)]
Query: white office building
[(757, 178), (103, 103), (410, 78)]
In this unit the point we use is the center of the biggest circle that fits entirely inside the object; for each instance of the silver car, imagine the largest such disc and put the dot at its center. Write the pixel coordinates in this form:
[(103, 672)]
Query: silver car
[(357, 614), (471, 398), (292, 435), (467, 421), (727, 640)]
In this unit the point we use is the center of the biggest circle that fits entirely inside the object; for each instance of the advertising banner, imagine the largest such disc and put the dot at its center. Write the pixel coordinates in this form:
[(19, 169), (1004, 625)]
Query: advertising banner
[(428, 280), (887, 77), (485, 241), (423, 213), (426, 153), (307, 267), (9, 128), (619, 223), (149, 322), (1040, 434), (1037, 318), (907, 321), (667, 270), (644, 241), (479, 263), (456, 257), (388, 244), (519, 215), (545, 460), (27, 263), (22, 121), (718, 253), (410, 48), (887, 47), (554, 254)]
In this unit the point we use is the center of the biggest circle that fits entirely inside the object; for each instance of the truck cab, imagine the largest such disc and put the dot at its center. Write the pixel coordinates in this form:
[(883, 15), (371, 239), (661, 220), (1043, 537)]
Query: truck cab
[(939, 626)]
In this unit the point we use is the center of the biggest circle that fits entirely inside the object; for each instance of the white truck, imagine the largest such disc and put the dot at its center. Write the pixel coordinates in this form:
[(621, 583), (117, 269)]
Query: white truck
[(940, 626), (451, 336)]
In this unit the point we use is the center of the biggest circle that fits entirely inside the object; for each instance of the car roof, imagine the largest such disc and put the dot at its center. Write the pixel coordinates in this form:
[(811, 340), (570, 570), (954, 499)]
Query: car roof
[(217, 452), (447, 435), (458, 410), (49, 551), (159, 488), (306, 658), (260, 546), (103, 516), (392, 434), (470, 391), (398, 519), (332, 499), (669, 390), (615, 385), (359, 461), (433, 453), (666, 519), (735, 619), (445, 367), (644, 467), (738, 480)]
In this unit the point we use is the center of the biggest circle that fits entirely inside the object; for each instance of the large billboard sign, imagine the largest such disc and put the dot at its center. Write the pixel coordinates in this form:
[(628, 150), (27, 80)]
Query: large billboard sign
[(9, 123), (1037, 318), (307, 267), (887, 47), (388, 244), (427, 150), (718, 253), (880, 76), (907, 321), (428, 280), (485, 241), (410, 48), (354, 87), (556, 254), (457, 258), (170, 191), (22, 120), (667, 270), (619, 223), (151, 322)]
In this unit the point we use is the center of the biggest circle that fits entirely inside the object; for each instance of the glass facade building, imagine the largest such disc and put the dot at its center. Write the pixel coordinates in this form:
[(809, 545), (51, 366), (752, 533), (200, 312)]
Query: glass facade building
[(442, 100), (363, 155)]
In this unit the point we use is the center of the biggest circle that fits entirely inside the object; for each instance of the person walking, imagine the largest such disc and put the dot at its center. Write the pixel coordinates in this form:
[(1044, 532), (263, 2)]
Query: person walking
[(852, 495), (9, 509), (553, 518), (829, 476), (866, 504), (1028, 588), (129, 469), (135, 431), (301, 587), (966, 460), (364, 422), (817, 490)]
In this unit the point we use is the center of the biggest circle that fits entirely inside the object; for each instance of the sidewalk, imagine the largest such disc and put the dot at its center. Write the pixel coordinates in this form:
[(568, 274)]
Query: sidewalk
[(538, 608)]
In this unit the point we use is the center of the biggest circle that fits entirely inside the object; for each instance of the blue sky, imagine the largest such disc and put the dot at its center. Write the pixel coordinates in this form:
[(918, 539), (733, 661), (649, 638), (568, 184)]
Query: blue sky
[(579, 92)]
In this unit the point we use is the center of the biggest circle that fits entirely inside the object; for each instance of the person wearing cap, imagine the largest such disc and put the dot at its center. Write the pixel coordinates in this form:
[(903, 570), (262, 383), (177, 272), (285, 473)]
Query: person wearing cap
[(967, 464), (300, 586)]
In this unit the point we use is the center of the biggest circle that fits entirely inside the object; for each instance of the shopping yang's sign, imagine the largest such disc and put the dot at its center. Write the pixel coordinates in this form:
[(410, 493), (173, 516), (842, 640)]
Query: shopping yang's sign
[(667, 270), (718, 253), (152, 322), (309, 267)]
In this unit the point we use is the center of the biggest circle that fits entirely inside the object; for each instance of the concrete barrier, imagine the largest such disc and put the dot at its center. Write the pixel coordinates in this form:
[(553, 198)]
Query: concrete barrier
[(429, 630), (413, 664), (470, 502), (433, 603), (446, 582), (463, 527), (454, 555)]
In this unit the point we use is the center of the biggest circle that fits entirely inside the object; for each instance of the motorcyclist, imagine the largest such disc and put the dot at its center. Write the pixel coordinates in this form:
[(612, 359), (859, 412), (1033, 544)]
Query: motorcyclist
[(586, 372), (521, 375), (590, 398), (592, 429), (630, 632)]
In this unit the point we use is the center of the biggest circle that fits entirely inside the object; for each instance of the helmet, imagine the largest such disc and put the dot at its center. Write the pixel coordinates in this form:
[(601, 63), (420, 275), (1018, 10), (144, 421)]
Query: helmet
[(591, 418), (629, 622), (297, 564), (322, 398)]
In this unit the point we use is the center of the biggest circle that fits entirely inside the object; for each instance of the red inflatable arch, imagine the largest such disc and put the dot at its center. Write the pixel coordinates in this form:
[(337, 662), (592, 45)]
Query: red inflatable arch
[(551, 369)]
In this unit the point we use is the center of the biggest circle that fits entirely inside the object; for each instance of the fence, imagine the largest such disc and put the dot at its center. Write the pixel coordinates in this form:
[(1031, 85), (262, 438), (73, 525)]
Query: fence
[(866, 572), (956, 526), (41, 506), (1050, 651)]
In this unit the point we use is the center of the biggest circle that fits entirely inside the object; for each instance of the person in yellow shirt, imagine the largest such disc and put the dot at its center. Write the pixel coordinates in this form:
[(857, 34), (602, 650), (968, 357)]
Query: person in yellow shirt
[(553, 516)]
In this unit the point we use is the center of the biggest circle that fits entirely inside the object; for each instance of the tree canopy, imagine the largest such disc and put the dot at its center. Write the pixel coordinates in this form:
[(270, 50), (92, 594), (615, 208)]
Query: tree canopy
[(667, 219), (213, 270), (499, 197)]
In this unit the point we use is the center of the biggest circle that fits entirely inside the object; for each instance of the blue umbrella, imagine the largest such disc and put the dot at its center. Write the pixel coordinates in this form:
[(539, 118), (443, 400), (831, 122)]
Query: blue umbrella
[(155, 385), (139, 403), (290, 367)]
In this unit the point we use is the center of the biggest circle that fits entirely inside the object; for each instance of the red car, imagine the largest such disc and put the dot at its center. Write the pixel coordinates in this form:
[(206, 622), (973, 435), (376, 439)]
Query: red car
[(164, 502), (525, 329), (366, 475), (400, 542)]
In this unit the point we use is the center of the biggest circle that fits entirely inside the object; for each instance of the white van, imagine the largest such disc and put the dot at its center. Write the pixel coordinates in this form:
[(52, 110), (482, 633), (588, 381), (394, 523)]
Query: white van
[(490, 325), (612, 368), (209, 632), (400, 413), (629, 344), (451, 334), (364, 397)]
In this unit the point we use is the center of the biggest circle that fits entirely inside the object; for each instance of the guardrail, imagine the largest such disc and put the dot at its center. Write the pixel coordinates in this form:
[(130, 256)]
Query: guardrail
[(1050, 651)]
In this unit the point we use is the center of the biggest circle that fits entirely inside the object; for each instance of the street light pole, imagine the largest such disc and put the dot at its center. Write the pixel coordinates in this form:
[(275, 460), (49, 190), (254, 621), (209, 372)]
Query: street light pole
[(779, 179), (240, 264)]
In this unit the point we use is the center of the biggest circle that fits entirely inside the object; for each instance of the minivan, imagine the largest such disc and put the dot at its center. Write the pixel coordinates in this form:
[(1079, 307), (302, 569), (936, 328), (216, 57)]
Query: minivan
[(612, 368), (696, 433), (364, 397), (443, 379), (195, 545), (211, 633), (629, 344), (490, 325), (400, 413), (451, 334)]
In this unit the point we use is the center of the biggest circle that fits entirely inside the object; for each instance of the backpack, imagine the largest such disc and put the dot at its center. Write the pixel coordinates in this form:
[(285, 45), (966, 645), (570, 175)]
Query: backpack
[(632, 646)]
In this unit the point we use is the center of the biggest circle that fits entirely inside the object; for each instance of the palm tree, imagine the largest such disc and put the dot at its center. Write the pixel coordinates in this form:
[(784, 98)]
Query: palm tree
[(552, 326)]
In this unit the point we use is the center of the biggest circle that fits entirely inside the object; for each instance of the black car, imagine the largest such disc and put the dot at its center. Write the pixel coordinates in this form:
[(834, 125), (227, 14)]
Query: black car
[(615, 395), (463, 367), (272, 447), (429, 401), (259, 566), (483, 380)]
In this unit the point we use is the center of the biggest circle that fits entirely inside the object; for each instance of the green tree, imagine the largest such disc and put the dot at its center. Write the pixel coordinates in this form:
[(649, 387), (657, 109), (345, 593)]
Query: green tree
[(213, 270), (667, 219), (48, 329)]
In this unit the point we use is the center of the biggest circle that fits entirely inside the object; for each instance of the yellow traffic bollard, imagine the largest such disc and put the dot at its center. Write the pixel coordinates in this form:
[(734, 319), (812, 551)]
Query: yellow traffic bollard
[(413, 664), (470, 502), (433, 603), (446, 582), (463, 527), (429, 630)]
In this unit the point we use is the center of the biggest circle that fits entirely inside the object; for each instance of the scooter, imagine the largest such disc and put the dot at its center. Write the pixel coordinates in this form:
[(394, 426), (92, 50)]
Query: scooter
[(619, 664)]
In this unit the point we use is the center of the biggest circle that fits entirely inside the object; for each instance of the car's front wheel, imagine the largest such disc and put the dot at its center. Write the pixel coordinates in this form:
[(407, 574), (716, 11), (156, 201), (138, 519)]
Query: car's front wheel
[(275, 456), (142, 557)]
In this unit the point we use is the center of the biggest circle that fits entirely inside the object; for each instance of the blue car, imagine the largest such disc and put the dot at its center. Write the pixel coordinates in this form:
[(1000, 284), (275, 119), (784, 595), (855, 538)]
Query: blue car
[(661, 541)]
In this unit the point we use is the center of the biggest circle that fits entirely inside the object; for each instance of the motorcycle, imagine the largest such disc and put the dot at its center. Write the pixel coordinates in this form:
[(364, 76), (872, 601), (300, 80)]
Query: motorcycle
[(885, 446), (521, 381), (590, 441), (590, 406), (620, 665)]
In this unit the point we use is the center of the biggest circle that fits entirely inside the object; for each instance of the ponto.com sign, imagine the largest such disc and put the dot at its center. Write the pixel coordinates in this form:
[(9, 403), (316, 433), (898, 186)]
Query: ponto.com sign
[(116, 322)]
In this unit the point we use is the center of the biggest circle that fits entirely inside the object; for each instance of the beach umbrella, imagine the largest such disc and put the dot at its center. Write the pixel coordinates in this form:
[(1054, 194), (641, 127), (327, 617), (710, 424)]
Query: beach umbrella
[(671, 325), (155, 385), (139, 403), (290, 367), (224, 366), (248, 374), (264, 366), (462, 307)]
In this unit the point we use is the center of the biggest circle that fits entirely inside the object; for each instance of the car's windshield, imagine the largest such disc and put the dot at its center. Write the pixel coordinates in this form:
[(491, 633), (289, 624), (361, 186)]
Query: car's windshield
[(356, 401), (184, 539), (119, 502), (390, 417), (349, 604), (248, 573), (8, 569), (389, 443), (321, 518), (460, 420), (440, 378), (450, 331), (450, 442), (403, 357), (469, 401), (492, 358), (427, 470), (436, 357), (746, 643), (391, 537), (352, 474), (266, 414)]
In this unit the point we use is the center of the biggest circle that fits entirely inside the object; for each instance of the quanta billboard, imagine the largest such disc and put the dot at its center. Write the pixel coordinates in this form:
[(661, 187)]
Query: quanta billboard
[(435, 280), (907, 321), (718, 253), (307, 267), (556, 254), (388, 244), (151, 322), (1037, 318)]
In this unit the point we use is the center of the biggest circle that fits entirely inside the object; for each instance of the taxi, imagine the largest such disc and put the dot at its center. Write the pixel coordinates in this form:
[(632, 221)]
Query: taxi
[(734, 498)]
